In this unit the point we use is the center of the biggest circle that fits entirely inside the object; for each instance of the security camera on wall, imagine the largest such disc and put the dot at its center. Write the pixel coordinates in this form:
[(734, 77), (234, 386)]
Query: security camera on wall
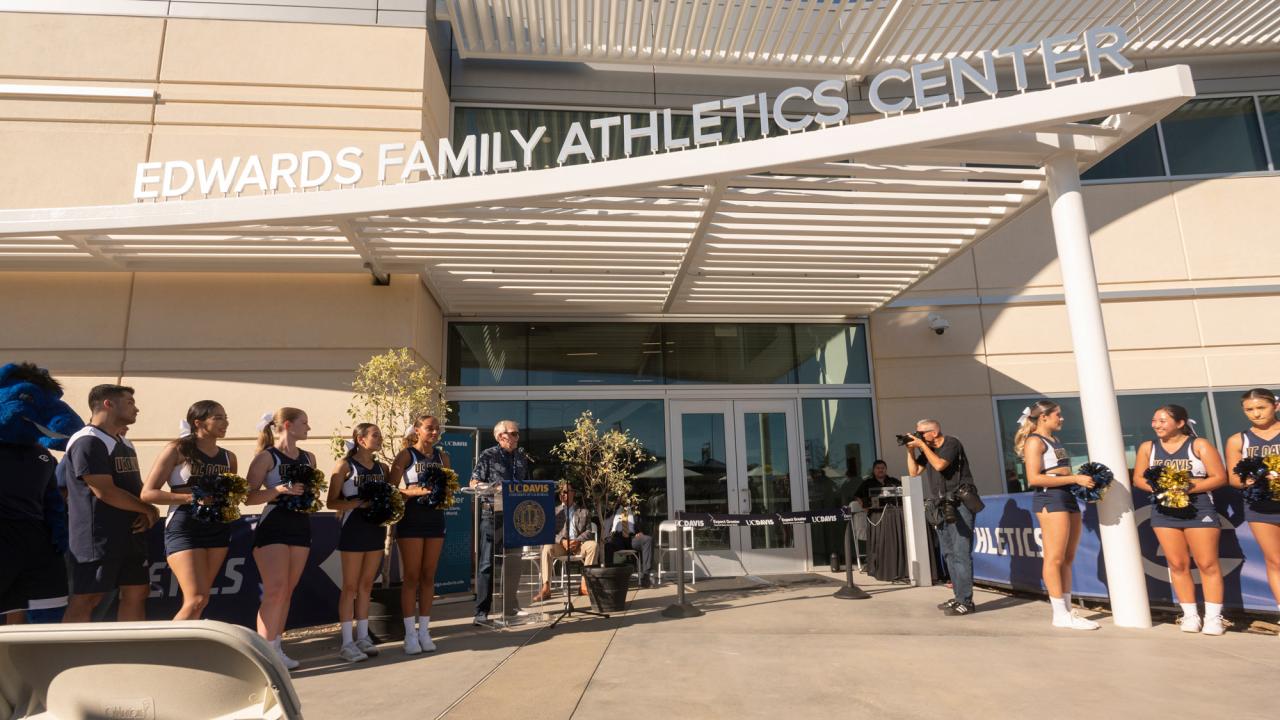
[(938, 324)]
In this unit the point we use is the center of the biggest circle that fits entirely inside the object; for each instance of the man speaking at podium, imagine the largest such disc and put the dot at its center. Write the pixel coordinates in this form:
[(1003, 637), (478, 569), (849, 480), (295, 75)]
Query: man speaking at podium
[(505, 463)]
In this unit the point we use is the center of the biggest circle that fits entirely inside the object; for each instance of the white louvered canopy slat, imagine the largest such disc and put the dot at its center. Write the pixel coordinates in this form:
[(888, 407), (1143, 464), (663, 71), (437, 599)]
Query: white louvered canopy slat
[(854, 37), (834, 221)]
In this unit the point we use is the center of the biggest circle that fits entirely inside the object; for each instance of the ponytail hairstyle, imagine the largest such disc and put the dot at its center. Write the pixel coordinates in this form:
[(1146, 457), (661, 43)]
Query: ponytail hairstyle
[(200, 410), (275, 421), (1259, 394), (1029, 420), (360, 431), (1179, 414), (411, 437)]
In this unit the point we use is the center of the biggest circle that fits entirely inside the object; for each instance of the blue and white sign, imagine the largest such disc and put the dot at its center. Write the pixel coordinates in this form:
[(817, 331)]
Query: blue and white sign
[(1007, 551), (454, 573)]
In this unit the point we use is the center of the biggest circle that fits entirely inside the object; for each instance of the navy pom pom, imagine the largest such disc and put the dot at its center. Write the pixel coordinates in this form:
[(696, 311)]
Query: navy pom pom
[(1102, 479)]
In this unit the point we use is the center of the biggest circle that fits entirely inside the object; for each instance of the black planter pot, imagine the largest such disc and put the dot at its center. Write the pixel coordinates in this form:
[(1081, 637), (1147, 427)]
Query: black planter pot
[(608, 587), (384, 614)]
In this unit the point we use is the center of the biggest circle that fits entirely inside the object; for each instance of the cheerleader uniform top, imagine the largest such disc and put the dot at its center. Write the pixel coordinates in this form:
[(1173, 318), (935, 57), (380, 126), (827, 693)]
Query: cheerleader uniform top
[(416, 473), (358, 476), (1054, 455), (1184, 458), (1266, 511), (274, 477), (200, 465), (1253, 446)]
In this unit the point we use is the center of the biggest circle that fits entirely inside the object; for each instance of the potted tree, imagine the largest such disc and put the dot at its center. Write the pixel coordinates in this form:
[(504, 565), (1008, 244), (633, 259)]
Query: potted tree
[(389, 390), (601, 466)]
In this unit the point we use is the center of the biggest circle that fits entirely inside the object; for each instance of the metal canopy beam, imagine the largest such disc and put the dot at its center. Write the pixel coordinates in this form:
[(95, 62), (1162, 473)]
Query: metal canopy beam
[(851, 38), (782, 225)]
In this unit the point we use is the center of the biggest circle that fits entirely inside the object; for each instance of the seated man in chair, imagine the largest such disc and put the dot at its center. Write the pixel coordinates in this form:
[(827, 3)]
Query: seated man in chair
[(574, 536), (626, 532)]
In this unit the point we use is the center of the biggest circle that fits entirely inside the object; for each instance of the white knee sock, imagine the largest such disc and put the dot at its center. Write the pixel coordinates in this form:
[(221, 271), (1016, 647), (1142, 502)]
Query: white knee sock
[(347, 639), (1060, 609), (1212, 610), (1189, 609), (362, 629), (424, 624), (408, 626)]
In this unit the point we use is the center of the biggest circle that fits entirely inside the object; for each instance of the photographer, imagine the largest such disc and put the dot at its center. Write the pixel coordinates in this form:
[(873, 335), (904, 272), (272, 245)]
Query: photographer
[(942, 462)]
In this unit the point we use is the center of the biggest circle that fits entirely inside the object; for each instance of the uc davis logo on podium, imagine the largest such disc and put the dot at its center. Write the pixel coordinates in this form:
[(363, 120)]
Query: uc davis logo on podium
[(530, 508)]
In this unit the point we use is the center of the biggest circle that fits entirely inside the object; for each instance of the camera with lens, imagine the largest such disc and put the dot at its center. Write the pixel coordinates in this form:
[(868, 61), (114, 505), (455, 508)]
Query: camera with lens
[(949, 508), (904, 439)]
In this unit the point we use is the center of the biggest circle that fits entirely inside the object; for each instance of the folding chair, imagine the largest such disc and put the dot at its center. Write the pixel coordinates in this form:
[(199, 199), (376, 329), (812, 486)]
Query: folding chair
[(153, 670)]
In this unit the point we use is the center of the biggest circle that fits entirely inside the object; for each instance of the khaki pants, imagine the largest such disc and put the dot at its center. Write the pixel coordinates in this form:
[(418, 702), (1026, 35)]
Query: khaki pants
[(589, 550)]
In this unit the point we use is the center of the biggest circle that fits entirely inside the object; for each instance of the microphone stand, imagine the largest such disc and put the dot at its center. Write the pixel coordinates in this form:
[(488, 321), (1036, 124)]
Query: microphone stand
[(569, 609)]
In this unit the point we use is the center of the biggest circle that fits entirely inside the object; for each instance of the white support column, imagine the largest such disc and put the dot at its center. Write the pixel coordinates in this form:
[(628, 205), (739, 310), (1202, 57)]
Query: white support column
[(1126, 581)]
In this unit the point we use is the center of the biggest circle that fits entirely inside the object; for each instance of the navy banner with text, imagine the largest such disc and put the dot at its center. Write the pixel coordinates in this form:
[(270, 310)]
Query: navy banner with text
[(1007, 552)]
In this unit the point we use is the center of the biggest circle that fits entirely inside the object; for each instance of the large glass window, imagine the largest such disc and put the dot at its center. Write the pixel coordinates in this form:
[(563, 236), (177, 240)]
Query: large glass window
[(540, 354), (1135, 424), (1214, 135), (729, 353), (832, 355), (1231, 419), (1140, 157), (595, 354), (485, 354), (484, 414), (839, 447)]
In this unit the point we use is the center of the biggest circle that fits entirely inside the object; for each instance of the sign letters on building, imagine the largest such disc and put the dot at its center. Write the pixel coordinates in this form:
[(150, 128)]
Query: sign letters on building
[(923, 86)]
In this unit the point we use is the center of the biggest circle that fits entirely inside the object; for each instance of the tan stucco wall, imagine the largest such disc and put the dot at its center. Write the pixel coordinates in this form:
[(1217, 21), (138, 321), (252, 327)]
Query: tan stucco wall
[(224, 87), (1163, 237), (251, 342)]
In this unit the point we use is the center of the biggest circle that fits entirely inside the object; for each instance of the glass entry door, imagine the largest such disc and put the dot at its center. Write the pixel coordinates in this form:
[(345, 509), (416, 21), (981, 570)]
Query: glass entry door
[(739, 456)]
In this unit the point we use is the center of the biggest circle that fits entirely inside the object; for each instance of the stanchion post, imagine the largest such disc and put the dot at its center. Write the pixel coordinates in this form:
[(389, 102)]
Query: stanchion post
[(850, 591), (681, 608)]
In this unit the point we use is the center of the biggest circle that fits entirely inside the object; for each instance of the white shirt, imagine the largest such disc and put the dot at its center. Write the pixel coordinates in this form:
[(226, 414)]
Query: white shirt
[(624, 521)]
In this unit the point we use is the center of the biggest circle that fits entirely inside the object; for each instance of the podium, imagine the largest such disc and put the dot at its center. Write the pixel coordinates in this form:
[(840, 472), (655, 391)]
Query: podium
[(510, 595)]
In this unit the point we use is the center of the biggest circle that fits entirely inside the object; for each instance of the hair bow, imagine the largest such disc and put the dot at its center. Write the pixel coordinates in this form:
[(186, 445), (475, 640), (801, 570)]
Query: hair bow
[(1025, 416), (184, 429), (349, 445), (265, 421)]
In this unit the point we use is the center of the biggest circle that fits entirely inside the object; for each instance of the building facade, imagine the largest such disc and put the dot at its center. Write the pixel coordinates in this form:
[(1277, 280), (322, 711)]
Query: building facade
[(743, 409)]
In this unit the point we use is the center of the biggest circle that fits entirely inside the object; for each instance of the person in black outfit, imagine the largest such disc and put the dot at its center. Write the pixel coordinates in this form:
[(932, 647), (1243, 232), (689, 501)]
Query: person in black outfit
[(107, 520), (942, 461), (627, 532), (876, 481)]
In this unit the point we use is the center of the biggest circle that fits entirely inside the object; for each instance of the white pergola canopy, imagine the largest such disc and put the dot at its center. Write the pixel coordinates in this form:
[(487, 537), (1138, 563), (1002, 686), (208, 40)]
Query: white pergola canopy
[(831, 222), (849, 37)]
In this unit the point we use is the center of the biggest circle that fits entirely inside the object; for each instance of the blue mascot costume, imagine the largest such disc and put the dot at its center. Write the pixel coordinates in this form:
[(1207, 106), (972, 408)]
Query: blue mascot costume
[(33, 514)]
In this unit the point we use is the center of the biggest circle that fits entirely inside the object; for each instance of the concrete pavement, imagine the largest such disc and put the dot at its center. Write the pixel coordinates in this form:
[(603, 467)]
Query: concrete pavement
[(790, 649)]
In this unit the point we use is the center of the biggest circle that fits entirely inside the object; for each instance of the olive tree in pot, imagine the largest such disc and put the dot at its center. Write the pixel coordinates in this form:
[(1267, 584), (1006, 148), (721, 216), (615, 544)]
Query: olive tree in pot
[(601, 466)]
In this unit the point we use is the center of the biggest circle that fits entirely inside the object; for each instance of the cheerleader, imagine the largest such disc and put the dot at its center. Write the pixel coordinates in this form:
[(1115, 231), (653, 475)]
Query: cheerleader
[(420, 534), (282, 539), (1056, 509), (195, 549), (1262, 439), (1191, 532), (360, 542)]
